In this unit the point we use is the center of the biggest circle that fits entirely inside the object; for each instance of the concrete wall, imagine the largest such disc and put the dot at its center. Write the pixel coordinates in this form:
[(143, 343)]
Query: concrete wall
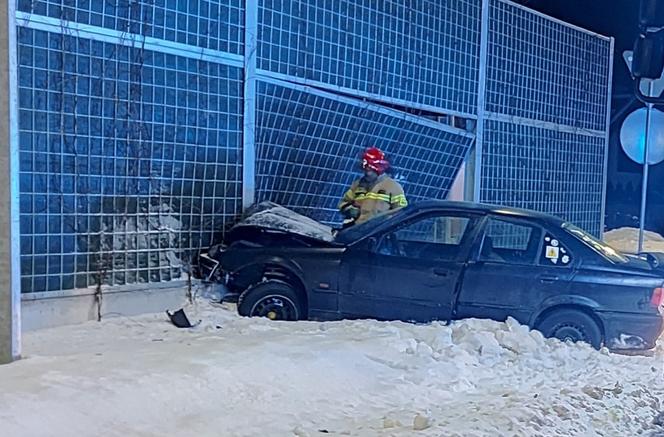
[(46, 310)]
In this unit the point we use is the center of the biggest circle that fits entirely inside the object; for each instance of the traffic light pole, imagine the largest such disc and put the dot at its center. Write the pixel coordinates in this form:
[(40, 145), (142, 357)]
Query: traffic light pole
[(644, 184)]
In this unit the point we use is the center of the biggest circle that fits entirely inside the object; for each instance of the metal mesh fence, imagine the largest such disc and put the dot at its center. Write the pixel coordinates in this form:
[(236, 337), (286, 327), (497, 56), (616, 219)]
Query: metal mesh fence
[(215, 25), (544, 170), (448, 230), (505, 235), (129, 160), (544, 139), (131, 126), (309, 143), (417, 51), (541, 69)]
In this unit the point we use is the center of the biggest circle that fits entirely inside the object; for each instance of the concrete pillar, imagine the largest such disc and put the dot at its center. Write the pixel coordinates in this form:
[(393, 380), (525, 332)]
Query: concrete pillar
[(10, 296)]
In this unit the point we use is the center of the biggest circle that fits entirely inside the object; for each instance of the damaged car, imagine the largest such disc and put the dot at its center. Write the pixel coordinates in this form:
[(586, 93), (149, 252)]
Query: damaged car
[(441, 260)]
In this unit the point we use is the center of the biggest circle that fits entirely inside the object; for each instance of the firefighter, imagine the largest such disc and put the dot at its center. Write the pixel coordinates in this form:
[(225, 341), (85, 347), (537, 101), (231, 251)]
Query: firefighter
[(372, 194)]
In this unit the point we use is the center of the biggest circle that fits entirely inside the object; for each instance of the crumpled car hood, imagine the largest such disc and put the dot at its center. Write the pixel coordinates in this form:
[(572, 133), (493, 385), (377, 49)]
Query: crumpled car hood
[(269, 215)]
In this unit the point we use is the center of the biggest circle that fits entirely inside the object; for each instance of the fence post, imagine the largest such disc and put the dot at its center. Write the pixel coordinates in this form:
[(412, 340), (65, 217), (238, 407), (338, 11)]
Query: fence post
[(481, 94), (10, 292), (606, 143), (249, 129)]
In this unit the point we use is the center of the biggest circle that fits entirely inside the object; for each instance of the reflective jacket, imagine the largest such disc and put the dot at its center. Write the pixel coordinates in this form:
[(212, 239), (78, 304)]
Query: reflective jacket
[(373, 198)]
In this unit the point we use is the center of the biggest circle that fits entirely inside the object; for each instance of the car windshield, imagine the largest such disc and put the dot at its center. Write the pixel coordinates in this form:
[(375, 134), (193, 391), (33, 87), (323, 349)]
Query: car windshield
[(356, 232), (598, 246)]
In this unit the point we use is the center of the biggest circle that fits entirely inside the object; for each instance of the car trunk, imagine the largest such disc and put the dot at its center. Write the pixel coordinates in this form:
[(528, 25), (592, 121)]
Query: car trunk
[(653, 260)]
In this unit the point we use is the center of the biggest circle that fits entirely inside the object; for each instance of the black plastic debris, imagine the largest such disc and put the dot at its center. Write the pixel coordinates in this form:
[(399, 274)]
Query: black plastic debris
[(179, 319)]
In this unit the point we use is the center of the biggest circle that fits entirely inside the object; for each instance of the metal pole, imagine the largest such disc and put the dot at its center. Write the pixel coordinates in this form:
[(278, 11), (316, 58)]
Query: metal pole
[(644, 183), (481, 98), (249, 129), (606, 143), (10, 293)]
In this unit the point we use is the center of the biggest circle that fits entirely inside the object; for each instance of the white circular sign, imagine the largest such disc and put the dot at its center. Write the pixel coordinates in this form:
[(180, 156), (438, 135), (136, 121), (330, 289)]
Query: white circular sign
[(633, 136)]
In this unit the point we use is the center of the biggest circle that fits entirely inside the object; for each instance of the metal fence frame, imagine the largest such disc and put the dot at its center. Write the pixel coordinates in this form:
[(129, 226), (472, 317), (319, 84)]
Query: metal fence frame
[(246, 56), (511, 114)]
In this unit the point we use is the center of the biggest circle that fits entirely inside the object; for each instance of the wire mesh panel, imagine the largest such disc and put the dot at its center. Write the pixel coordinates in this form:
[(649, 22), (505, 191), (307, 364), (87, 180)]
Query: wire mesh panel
[(131, 157), (508, 242), (448, 230), (309, 143), (215, 25), (544, 170), (505, 235), (544, 140), (545, 70), (418, 51), (129, 160)]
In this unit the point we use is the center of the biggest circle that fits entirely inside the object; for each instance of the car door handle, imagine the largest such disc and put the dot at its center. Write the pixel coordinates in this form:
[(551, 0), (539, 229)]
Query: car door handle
[(548, 279), (441, 272)]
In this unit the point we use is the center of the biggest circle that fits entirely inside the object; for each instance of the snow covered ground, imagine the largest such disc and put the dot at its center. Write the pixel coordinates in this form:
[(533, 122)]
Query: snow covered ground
[(626, 240), (231, 376)]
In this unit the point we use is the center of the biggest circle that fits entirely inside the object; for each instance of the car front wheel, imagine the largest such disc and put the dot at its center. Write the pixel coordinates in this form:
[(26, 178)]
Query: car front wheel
[(272, 299), (571, 325)]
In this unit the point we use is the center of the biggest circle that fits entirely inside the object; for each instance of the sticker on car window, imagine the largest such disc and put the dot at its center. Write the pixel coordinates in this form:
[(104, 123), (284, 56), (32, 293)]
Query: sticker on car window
[(554, 252)]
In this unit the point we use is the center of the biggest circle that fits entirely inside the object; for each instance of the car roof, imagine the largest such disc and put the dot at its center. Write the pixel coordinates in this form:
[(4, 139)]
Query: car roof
[(439, 205)]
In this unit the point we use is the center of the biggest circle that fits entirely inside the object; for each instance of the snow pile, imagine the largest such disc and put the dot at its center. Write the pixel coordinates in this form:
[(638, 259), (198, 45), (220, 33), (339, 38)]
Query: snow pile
[(627, 240), (272, 216), (231, 376)]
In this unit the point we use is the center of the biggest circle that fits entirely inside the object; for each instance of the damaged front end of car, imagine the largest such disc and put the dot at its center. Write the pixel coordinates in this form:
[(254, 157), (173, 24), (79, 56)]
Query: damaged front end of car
[(214, 280)]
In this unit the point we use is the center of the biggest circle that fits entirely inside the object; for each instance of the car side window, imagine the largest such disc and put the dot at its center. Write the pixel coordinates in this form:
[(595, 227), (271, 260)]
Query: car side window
[(510, 242), (431, 238), (554, 252)]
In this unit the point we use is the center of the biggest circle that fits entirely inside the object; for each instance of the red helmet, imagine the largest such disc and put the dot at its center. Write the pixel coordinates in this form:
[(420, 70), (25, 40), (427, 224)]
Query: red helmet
[(374, 159)]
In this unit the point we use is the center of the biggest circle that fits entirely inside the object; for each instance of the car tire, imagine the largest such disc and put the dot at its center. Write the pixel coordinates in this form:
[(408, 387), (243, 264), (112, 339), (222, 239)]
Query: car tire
[(275, 300), (570, 324)]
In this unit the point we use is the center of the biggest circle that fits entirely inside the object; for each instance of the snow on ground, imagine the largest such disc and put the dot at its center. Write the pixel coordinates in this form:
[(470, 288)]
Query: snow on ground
[(626, 240), (233, 376)]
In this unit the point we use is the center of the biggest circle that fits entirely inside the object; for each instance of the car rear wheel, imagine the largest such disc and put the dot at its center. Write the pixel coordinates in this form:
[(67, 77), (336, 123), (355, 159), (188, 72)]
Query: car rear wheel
[(272, 299), (571, 325)]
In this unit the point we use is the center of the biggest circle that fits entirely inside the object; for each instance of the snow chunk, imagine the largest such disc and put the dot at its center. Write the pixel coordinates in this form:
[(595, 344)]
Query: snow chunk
[(517, 338), (593, 392), (421, 423), (391, 423)]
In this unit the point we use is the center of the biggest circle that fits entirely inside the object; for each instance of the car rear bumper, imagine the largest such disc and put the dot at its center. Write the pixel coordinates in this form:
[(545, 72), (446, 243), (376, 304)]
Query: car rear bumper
[(631, 331)]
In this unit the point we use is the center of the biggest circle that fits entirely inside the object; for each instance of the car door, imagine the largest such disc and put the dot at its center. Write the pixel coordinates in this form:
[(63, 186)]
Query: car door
[(517, 265), (410, 272)]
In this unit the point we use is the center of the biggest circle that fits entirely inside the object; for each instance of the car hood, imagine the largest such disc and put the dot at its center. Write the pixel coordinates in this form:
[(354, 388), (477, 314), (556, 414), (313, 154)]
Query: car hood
[(271, 216)]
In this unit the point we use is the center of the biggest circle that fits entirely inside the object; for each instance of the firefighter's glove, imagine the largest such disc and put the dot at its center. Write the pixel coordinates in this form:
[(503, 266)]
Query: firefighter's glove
[(350, 211)]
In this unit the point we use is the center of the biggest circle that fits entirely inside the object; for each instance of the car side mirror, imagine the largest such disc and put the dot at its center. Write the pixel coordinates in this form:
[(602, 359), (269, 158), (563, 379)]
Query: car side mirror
[(372, 244)]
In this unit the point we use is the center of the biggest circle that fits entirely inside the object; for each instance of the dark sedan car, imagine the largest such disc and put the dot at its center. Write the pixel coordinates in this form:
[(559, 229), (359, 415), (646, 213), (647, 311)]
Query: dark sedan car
[(443, 261)]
